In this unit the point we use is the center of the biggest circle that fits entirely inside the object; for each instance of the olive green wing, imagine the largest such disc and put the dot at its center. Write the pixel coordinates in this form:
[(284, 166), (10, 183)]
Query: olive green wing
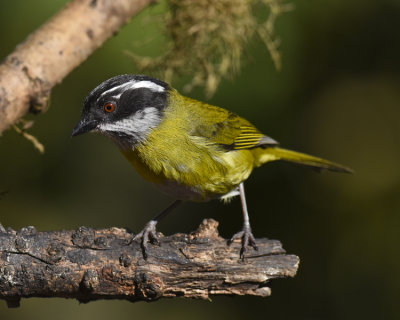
[(250, 137), (227, 129)]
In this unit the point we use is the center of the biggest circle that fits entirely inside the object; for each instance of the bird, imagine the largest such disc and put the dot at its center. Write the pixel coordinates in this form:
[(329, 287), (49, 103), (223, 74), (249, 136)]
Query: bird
[(190, 150)]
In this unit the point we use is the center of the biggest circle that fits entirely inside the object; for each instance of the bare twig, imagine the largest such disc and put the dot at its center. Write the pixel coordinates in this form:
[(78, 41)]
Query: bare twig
[(88, 264), (36, 143)]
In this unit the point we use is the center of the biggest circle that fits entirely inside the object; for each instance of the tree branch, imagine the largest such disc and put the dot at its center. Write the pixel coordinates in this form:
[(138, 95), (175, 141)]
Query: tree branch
[(50, 53), (88, 264)]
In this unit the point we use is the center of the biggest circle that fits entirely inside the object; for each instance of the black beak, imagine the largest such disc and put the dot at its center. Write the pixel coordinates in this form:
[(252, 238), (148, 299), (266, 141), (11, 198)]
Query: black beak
[(84, 126)]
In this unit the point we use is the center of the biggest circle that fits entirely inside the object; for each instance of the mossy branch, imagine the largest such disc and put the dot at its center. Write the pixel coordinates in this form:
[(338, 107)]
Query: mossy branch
[(207, 39)]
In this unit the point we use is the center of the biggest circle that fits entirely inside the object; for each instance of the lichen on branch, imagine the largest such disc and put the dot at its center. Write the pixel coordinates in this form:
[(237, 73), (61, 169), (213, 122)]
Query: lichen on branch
[(208, 39)]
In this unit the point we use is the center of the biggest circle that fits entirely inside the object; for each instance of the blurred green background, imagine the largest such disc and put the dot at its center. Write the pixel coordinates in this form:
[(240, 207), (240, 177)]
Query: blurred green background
[(338, 96)]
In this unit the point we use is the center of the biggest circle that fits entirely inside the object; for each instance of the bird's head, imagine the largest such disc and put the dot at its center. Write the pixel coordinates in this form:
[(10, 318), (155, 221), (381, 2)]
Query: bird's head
[(125, 107)]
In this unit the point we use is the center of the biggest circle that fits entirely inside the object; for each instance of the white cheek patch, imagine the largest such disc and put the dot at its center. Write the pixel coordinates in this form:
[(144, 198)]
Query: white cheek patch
[(138, 126), (134, 84)]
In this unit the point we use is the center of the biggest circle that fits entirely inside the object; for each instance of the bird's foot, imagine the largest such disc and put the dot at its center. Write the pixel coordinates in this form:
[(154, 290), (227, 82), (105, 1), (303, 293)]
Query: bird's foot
[(248, 240), (148, 234)]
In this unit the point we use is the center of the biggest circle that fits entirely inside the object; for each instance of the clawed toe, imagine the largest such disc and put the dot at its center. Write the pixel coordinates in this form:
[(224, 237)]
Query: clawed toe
[(238, 235), (248, 240), (148, 234)]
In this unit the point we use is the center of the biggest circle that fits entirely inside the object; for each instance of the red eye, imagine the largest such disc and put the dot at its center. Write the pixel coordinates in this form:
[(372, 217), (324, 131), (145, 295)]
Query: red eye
[(109, 107)]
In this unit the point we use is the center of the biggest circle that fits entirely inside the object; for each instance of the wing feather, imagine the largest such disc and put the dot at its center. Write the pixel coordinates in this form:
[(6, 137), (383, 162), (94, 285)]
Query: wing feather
[(228, 130)]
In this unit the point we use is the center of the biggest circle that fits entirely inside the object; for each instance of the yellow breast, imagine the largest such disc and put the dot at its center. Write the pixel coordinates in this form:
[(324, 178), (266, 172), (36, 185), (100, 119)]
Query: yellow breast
[(188, 166), (191, 173)]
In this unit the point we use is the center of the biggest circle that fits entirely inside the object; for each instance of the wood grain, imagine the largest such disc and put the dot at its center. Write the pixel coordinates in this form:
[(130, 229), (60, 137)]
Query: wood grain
[(88, 264)]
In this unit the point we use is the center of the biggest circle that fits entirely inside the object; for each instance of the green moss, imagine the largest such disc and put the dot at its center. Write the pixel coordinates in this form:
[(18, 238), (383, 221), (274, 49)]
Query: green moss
[(208, 39)]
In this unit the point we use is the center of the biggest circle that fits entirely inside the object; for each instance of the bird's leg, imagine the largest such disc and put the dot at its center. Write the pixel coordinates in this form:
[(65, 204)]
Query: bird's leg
[(245, 234), (149, 233)]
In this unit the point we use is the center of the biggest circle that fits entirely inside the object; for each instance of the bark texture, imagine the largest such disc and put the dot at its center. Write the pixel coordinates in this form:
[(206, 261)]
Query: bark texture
[(88, 264), (50, 53)]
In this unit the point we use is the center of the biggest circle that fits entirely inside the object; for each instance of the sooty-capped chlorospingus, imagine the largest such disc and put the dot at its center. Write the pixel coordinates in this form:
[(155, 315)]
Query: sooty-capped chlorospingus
[(189, 149)]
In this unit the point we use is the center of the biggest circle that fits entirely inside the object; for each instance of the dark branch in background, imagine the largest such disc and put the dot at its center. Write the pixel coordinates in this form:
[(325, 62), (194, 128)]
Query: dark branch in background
[(49, 54), (88, 264)]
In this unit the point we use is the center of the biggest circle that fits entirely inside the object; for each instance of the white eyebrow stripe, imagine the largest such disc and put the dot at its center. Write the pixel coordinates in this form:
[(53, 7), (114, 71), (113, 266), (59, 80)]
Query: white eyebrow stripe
[(134, 84), (148, 84)]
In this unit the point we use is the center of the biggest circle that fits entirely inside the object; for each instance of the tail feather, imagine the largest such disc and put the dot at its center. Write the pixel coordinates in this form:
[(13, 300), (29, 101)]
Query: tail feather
[(273, 153)]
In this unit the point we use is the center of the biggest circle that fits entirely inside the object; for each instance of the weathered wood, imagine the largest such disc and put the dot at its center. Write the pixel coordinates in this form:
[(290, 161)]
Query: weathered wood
[(88, 264)]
